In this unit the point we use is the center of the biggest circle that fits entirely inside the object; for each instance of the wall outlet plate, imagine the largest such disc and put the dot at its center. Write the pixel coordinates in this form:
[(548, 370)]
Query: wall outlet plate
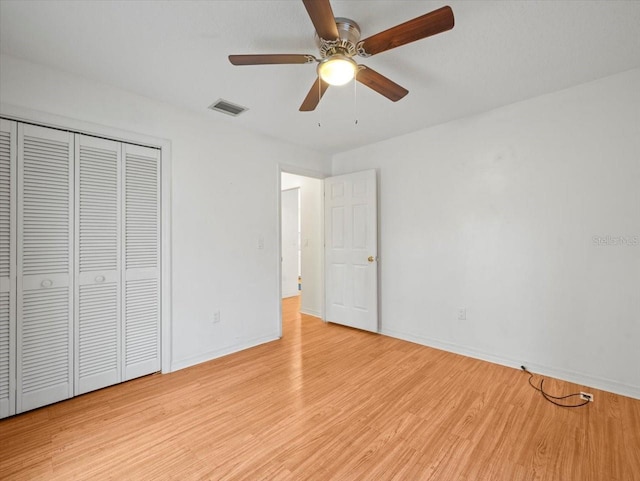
[(586, 396)]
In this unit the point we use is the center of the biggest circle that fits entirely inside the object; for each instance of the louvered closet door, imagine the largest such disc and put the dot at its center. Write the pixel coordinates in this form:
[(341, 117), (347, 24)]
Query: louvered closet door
[(7, 266), (97, 267), (45, 266), (141, 310)]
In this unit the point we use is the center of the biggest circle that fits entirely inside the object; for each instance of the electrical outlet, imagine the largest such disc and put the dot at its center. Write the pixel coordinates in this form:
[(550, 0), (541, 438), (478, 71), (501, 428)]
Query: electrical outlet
[(462, 314), (586, 396), (216, 317)]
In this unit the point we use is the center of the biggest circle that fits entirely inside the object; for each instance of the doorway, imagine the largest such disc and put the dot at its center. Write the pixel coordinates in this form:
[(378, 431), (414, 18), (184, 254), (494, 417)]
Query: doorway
[(291, 271), (309, 243)]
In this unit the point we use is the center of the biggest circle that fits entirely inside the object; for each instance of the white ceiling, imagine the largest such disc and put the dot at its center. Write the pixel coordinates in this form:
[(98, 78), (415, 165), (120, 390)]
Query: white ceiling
[(499, 52)]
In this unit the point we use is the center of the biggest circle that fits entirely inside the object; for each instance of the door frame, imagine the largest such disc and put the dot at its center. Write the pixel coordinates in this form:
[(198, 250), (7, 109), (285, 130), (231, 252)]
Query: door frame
[(301, 171), (44, 119)]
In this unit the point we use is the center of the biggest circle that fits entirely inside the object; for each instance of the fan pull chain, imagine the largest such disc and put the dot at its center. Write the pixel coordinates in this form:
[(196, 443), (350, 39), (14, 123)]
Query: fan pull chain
[(355, 98), (319, 103)]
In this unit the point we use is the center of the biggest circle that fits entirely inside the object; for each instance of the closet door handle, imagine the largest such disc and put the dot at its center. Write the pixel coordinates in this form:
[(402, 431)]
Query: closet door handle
[(100, 278), (46, 283)]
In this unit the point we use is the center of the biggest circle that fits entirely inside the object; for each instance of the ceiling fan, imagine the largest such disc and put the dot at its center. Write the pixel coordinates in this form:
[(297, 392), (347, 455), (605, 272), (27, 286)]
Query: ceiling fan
[(339, 41)]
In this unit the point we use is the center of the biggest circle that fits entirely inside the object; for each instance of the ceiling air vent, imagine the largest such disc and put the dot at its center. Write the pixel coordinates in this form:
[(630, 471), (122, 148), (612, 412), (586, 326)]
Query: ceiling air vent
[(227, 107)]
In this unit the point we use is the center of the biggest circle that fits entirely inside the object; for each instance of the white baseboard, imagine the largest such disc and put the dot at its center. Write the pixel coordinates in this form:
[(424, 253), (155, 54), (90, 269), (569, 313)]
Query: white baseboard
[(563, 374), (210, 355), (290, 294), (311, 312)]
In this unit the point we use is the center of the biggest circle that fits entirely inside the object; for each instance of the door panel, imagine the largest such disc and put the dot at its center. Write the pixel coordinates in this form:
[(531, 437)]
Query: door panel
[(45, 375), (141, 339), (45, 266), (97, 325), (142, 261), (351, 250), (337, 227), (360, 213), (337, 284)]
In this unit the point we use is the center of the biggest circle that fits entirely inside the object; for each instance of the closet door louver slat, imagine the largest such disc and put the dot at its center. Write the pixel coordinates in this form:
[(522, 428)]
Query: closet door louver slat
[(97, 327), (7, 266), (142, 261), (45, 266)]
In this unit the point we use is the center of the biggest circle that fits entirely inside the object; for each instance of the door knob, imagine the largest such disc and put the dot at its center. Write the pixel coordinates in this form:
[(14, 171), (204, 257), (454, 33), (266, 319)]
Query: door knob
[(46, 283), (370, 259)]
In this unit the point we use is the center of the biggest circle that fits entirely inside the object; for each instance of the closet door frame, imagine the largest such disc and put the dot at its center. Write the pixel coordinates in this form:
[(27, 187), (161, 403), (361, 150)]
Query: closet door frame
[(21, 114)]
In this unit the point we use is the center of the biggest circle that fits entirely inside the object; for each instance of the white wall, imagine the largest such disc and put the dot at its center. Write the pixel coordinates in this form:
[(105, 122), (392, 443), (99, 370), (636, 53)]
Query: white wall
[(498, 213), (225, 195), (312, 236)]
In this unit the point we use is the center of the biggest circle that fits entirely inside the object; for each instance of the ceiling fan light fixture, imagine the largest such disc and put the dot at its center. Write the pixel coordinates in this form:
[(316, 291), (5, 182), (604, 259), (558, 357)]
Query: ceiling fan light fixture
[(337, 69)]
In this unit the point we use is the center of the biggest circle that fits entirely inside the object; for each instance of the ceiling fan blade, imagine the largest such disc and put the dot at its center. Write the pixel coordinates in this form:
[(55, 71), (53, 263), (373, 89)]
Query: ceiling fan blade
[(380, 84), (421, 27), (312, 99), (270, 59), (322, 17)]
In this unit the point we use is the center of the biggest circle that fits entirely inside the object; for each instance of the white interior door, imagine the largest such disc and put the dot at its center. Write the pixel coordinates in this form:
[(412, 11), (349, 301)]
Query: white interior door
[(141, 278), (351, 250), (8, 156), (45, 267), (97, 267), (290, 247)]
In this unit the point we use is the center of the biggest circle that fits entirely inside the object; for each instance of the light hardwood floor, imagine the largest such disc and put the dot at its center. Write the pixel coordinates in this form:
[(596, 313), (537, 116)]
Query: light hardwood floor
[(327, 403)]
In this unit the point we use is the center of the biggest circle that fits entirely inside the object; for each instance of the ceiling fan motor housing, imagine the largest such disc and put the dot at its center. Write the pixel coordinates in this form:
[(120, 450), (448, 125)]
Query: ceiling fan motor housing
[(345, 44)]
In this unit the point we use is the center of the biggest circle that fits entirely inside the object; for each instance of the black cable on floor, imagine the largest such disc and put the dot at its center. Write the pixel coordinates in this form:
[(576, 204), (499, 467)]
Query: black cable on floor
[(550, 397)]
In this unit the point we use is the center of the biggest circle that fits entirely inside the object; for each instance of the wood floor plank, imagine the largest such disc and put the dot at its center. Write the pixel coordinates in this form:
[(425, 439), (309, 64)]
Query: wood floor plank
[(327, 402)]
